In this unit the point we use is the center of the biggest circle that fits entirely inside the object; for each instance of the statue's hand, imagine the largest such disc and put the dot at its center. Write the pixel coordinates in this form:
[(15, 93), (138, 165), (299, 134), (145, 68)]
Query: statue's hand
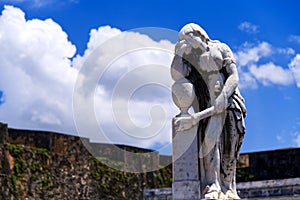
[(221, 103), (182, 48), (184, 123)]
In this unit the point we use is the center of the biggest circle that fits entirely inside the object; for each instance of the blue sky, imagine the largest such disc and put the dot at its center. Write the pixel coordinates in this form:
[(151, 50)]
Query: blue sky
[(264, 35)]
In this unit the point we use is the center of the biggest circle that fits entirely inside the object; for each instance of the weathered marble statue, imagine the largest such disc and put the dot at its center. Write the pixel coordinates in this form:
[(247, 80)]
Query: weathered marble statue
[(206, 78)]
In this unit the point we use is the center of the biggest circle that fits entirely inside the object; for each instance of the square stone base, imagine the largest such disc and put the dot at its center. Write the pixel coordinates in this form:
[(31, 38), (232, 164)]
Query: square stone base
[(186, 190)]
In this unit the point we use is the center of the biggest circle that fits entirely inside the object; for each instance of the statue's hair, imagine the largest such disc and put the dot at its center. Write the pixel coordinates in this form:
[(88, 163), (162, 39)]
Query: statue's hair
[(192, 28)]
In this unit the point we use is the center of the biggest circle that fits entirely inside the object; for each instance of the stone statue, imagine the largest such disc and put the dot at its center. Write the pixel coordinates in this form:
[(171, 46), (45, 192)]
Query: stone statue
[(206, 79)]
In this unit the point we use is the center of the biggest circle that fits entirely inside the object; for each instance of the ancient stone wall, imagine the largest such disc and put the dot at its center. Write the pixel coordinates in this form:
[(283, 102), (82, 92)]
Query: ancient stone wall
[(266, 165), (65, 144), (45, 165)]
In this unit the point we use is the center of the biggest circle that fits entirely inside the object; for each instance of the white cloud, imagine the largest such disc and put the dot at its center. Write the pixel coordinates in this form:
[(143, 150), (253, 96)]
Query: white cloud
[(248, 27), (249, 59), (248, 55), (286, 51), (97, 37), (247, 80), (251, 54), (37, 77), (131, 105), (295, 68), (294, 38), (271, 74)]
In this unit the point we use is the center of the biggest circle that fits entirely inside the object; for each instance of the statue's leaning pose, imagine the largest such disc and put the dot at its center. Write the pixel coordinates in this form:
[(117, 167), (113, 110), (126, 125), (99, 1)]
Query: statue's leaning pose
[(211, 67)]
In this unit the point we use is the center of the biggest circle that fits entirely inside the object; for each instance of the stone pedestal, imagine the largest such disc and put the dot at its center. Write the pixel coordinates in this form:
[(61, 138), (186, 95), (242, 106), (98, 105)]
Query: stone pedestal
[(186, 184), (282, 189)]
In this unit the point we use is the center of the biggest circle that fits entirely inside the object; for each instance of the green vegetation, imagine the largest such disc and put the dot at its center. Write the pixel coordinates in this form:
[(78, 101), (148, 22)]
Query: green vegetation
[(15, 150), (43, 152), (29, 165), (165, 177), (18, 169), (13, 187)]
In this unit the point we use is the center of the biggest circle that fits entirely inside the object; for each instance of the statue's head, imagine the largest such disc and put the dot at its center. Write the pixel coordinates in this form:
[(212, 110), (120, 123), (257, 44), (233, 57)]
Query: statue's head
[(193, 29), (195, 36)]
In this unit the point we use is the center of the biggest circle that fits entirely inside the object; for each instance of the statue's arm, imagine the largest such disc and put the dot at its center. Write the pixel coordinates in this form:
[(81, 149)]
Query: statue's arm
[(179, 69), (231, 82)]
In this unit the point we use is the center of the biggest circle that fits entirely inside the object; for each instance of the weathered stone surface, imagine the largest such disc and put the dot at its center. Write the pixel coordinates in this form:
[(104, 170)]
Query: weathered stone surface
[(283, 189), (186, 184), (158, 194), (186, 190), (185, 159), (267, 188)]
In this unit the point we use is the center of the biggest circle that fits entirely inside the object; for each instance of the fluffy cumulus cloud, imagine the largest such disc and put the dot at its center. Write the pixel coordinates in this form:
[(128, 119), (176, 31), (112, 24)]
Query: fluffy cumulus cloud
[(130, 74), (126, 78), (253, 70), (271, 74), (36, 77), (250, 54)]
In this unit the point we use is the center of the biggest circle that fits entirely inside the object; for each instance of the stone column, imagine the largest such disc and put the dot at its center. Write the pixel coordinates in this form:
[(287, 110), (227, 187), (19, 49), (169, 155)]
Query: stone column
[(186, 183)]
